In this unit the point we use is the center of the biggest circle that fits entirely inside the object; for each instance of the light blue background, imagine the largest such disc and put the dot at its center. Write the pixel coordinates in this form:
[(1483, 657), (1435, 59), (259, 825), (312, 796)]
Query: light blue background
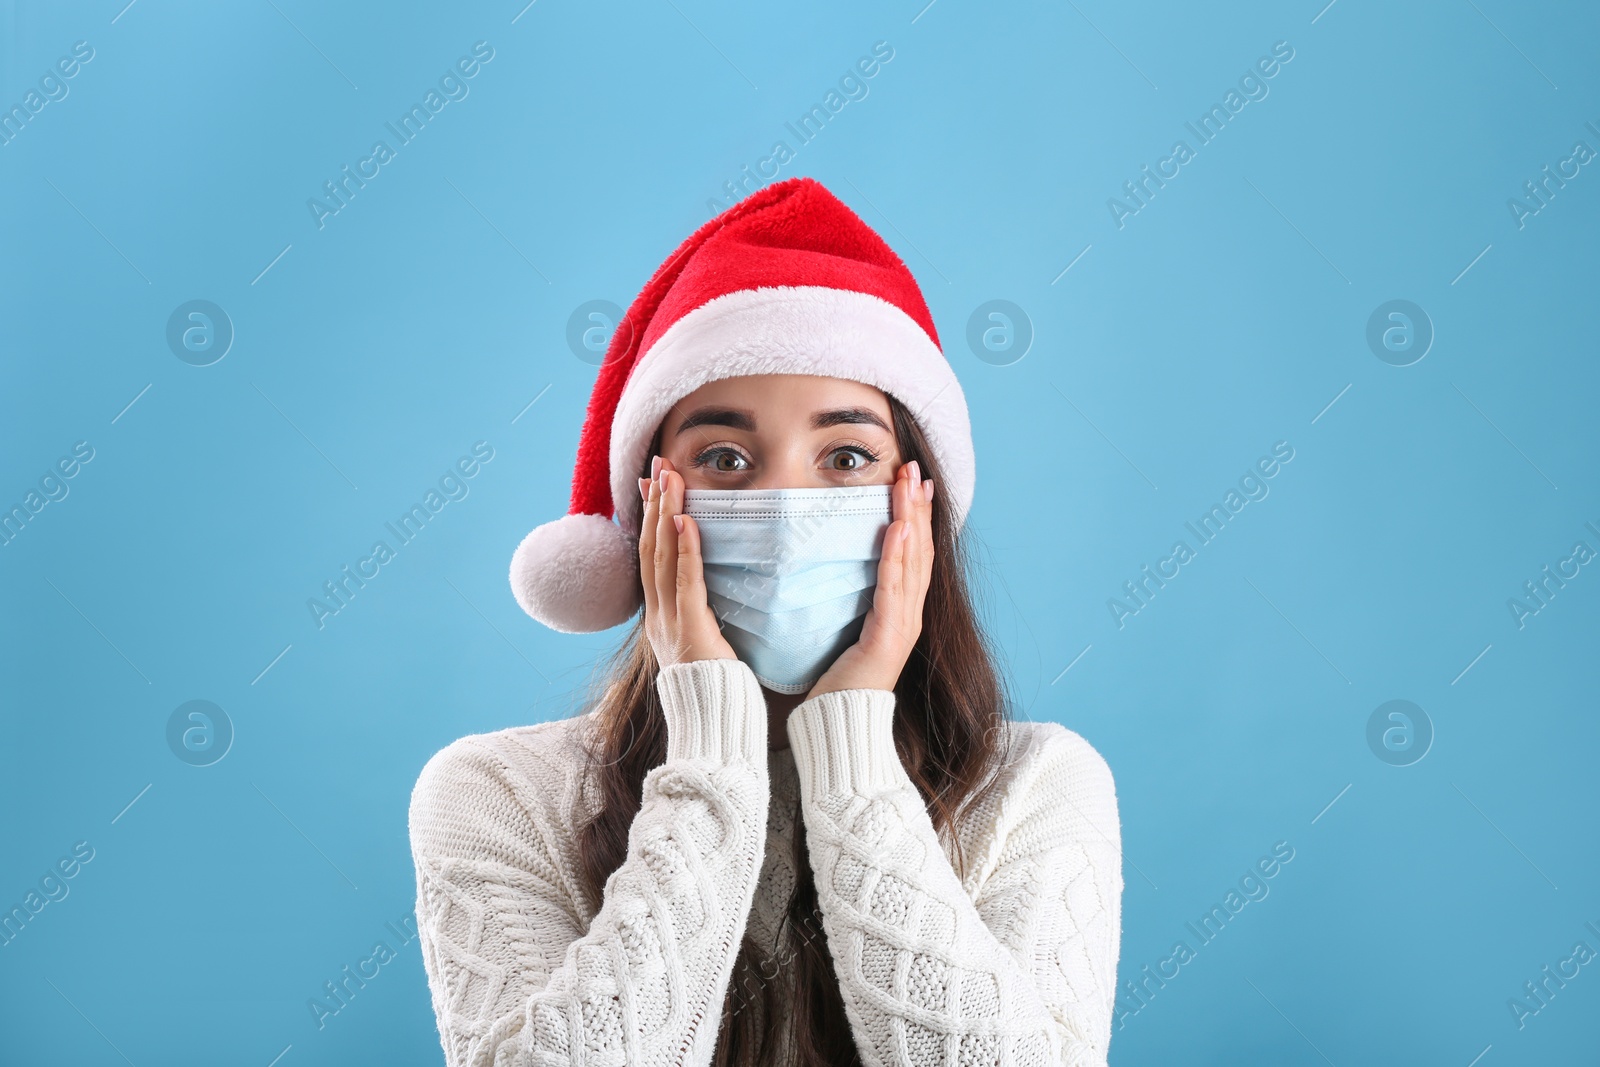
[(427, 314)]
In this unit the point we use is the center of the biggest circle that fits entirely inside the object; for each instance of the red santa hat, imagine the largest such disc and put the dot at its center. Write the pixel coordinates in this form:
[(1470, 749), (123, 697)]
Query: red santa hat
[(787, 281)]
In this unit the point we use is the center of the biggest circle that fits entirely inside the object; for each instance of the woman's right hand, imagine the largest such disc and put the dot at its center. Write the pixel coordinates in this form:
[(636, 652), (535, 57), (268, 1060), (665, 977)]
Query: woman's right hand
[(678, 619)]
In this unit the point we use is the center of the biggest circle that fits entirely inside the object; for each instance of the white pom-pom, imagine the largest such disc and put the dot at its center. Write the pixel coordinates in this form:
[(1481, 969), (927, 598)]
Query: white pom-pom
[(578, 574)]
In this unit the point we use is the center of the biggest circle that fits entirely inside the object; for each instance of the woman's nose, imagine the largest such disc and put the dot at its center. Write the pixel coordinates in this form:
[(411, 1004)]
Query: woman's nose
[(786, 473)]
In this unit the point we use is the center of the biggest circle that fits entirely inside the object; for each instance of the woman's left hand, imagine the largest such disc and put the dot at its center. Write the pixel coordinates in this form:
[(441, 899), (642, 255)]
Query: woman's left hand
[(895, 620)]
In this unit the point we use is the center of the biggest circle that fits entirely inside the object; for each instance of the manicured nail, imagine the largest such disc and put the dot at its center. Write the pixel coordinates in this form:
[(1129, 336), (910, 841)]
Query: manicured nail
[(677, 522), (927, 490), (916, 471), (644, 488), (905, 531), (655, 466)]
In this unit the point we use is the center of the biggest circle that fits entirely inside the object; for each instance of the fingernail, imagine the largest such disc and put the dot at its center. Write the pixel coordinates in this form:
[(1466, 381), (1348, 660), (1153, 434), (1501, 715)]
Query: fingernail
[(916, 471), (677, 522), (644, 488), (927, 490), (655, 466)]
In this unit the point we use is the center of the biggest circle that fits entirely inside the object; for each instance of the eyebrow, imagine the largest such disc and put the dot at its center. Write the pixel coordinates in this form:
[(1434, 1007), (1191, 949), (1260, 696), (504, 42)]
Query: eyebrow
[(821, 420), (743, 420)]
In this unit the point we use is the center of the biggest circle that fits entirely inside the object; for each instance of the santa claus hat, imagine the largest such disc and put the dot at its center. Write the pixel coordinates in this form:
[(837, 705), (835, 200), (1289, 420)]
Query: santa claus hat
[(787, 281)]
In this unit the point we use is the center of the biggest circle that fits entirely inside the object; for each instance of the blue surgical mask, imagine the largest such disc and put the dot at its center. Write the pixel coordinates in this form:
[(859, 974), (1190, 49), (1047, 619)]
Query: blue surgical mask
[(790, 572)]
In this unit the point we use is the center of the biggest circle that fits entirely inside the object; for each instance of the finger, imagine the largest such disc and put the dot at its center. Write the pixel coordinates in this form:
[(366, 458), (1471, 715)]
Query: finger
[(909, 491), (889, 600), (905, 523), (667, 544), (899, 500), (920, 554), (886, 606), (693, 602), (924, 495), (891, 628), (916, 543), (691, 576), (914, 570), (647, 549)]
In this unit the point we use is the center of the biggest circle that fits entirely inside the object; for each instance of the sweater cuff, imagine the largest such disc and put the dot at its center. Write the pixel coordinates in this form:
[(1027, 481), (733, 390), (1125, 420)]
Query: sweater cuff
[(714, 710), (843, 742)]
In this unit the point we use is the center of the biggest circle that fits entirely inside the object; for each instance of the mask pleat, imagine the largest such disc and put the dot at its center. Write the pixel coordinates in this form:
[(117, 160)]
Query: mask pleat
[(790, 572)]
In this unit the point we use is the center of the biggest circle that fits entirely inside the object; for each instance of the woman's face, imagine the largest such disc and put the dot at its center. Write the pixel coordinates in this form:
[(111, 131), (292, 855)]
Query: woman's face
[(781, 431)]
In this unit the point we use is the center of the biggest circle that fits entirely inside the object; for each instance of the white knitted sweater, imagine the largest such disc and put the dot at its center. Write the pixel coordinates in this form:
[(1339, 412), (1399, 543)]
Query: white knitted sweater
[(1014, 965)]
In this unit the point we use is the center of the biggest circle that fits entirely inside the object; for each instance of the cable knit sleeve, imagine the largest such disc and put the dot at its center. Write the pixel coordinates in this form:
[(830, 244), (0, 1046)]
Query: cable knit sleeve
[(516, 976), (1016, 967)]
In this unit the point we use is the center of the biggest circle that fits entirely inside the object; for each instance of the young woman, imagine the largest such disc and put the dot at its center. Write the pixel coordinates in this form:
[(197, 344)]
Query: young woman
[(798, 824)]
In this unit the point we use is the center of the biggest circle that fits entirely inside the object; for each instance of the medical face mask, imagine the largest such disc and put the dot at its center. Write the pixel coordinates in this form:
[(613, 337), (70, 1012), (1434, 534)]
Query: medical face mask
[(790, 572)]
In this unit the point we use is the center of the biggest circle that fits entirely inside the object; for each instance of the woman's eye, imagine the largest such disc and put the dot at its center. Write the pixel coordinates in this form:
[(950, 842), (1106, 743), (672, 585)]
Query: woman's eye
[(724, 460), (851, 458)]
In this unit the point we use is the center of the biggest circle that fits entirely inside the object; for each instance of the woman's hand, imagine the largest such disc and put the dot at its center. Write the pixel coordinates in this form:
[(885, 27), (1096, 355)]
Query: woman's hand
[(905, 568), (678, 620)]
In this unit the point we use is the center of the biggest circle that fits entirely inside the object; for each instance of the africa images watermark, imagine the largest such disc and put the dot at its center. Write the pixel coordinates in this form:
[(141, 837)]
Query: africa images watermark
[(1536, 996), (1252, 486), (852, 87), (337, 995), (1537, 592), (1538, 192), (453, 87), (53, 88), (453, 485), (52, 887), (53, 486), (1252, 87), (1135, 996)]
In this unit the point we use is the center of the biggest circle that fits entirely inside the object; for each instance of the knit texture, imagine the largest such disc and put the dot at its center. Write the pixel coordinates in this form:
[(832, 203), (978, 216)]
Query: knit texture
[(1015, 964)]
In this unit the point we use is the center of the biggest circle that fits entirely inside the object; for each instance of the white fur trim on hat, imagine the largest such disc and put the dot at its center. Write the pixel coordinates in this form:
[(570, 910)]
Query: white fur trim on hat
[(837, 333), (578, 574)]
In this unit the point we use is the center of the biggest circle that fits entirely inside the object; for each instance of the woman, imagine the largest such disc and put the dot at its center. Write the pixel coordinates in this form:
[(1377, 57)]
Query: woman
[(797, 825)]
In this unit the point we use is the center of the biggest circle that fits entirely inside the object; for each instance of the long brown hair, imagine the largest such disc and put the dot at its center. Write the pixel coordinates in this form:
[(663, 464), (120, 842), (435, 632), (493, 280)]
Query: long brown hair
[(950, 708)]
